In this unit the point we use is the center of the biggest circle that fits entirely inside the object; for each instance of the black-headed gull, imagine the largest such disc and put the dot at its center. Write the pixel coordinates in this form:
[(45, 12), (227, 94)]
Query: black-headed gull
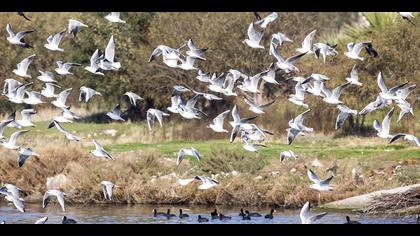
[(22, 67), (133, 97), (194, 52), (107, 188), (48, 90), (354, 77), (87, 93), (94, 64), (187, 152), (67, 134), (114, 17), (305, 216), (264, 22), (254, 37), (217, 125), (11, 144), (108, 62), (74, 27), (17, 39), (307, 43), (53, 193), (115, 114), (64, 67), (46, 77), (25, 153), (60, 102), (334, 96), (100, 151), (384, 128), (54, 41), (344, 114), (155, 113)]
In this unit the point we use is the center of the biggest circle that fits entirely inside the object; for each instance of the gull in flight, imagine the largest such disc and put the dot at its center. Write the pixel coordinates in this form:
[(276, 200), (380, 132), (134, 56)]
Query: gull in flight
[(239, 124), (94, 64), (206, 182), (407, 16), (318, 79), (13, 123), (384, 128), (26, 120), (355, 48), (254, 134), (187, 152), (108, 62), (388, 94), (155, 113), (60, 102), (17, 39), (9, 86), (305, 216), (11, 144), (133, 97), (168, 53), (3, 125), (297, 128), (407, 137), (354, 77), (405, 107), (63, 68), (229, 85), (116, 113), (334, 96), (208, 96), (269, 75), (307, 43), (24, 16), (41, 221), (263, 22), (25, 153), (194, 52), (252, 147), (87, 93), (344, 114), (217, 125), (54, 41), (48, 91), (320, 185), (299, 97), (34, 98), (175, 101), (278, 40), (17, 95), (67, 134), (188, 110), (114, 17), (217, 83), (22, 67), (100, 151), (187, 64), (12, 196), (254, 106), (287, 154), (66, 116), (74, 27), (375, 105), (254, 37), (402, 94), (250, 84), (46, 77), (286, 65), (107, 188), (204, 77), (53, 193), (325, 50)]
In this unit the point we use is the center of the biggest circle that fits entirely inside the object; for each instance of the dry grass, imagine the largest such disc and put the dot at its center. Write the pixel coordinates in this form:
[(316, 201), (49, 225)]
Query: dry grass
[(148, 176)]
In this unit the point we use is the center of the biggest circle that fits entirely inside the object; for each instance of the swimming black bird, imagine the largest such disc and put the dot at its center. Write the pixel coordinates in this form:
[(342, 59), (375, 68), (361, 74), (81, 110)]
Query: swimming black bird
[(255, 214), (214, 215), (202, 219), (66, 220), (23, 15), (169, 215), (223, 217), (157, 214), (182, 215), (351, 222), (270, 216), (242, 212), (246, 216)]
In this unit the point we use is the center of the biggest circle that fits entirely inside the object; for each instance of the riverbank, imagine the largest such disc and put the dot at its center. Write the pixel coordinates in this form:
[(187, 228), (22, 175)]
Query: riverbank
[(147, 172)]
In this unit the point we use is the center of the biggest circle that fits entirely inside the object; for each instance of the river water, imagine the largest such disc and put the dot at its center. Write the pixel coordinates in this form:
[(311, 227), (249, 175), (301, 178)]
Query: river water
[(142, 214)]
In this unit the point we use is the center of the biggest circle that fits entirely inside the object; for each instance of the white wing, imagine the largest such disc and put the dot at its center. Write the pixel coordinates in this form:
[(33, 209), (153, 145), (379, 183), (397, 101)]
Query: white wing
[(110, 50)]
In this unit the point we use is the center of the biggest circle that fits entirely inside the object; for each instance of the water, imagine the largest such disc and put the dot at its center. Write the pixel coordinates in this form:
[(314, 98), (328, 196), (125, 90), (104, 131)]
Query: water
[(142, 214)]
